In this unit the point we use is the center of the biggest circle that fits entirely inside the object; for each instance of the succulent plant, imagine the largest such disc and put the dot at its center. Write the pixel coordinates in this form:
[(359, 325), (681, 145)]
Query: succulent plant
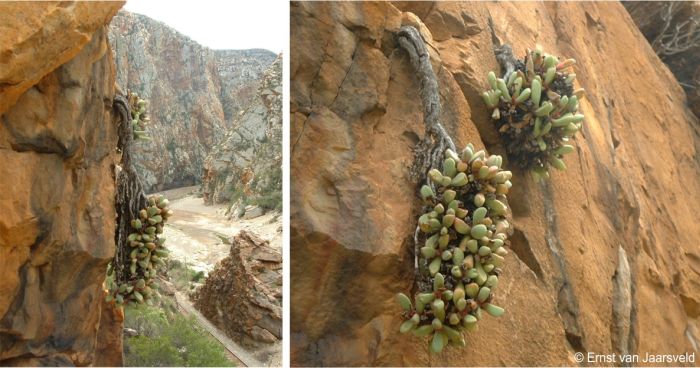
[(139, 118), (535, 109), (463, 234), (147, 254)]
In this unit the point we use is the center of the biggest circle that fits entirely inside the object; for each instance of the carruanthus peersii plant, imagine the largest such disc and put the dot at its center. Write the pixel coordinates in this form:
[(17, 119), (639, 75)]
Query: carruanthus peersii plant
[(463, 231), (535, 108)]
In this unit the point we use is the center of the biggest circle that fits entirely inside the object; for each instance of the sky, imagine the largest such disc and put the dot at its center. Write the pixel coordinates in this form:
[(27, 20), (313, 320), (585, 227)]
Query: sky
[(223, 24)]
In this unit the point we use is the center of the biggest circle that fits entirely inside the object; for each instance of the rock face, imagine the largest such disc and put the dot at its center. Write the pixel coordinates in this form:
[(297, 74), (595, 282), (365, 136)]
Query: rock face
[(193, 92), (27, 55), (652, 18), (110, 342), (248, 163), (604, 256), (57, 147), (243, 295)]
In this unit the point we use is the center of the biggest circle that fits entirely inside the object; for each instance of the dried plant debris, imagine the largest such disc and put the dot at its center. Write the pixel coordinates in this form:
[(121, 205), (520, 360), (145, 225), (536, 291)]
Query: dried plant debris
[(535, 109), (463, 231)]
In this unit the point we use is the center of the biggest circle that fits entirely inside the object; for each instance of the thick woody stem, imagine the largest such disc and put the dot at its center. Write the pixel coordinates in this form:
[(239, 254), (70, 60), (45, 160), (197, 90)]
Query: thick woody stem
[(129, 198), (430, 151)]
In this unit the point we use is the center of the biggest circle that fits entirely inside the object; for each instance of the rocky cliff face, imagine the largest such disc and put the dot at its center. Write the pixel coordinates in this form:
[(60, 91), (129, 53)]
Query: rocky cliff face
[(243, 295), (248, 163), (604, 256), (193, 94), (670, 26), (57, 148)]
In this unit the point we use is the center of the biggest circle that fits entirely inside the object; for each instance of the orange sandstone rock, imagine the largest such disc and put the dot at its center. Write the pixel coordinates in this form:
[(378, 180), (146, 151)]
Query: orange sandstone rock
[(628, 196), (57, 149)]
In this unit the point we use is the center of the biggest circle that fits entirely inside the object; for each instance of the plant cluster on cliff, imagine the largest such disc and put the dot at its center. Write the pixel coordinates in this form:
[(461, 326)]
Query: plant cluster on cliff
[(463, 230), (139, 118), (535, 109), (140, 250), (146, 255)]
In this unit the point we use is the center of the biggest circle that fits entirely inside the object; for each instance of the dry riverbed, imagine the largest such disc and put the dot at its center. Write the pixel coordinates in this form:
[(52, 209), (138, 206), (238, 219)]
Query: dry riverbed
[(195, 236), (195, 233)]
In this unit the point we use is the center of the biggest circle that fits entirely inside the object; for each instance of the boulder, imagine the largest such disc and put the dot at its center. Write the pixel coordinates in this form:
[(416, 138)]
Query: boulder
[(252, 212), (242, 296)]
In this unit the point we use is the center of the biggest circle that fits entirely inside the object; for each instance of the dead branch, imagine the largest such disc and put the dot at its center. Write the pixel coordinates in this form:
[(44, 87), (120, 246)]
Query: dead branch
[(684, 36)]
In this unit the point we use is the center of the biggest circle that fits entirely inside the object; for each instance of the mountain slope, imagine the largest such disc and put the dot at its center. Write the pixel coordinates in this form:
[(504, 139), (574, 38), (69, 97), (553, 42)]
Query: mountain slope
[(193, 92), (246, 167)]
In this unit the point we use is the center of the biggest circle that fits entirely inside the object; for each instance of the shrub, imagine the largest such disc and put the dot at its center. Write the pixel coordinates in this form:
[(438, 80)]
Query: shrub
[(169, 340), (272, 201)]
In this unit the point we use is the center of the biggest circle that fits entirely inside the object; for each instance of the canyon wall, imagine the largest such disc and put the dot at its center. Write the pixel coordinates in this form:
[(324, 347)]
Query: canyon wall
[(194, 94), (58, 149), (604, 257), (247, 166)]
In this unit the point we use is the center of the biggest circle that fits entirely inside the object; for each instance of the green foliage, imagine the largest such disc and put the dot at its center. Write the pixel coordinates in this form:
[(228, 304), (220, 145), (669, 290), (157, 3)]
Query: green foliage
[(182, 276), (169, 340), (463, 230), (272, 201), (146, 254), (535, 109), (158, 352), (268, 190), (172, 147), (139, 118), (197, 276), (237, 194)]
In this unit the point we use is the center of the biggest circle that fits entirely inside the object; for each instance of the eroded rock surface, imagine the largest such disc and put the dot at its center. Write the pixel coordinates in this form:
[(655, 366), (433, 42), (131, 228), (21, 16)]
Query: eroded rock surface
[(243, 295), (628, 195), (248, 163), (57, 148), (36, 40), (194, 95)]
